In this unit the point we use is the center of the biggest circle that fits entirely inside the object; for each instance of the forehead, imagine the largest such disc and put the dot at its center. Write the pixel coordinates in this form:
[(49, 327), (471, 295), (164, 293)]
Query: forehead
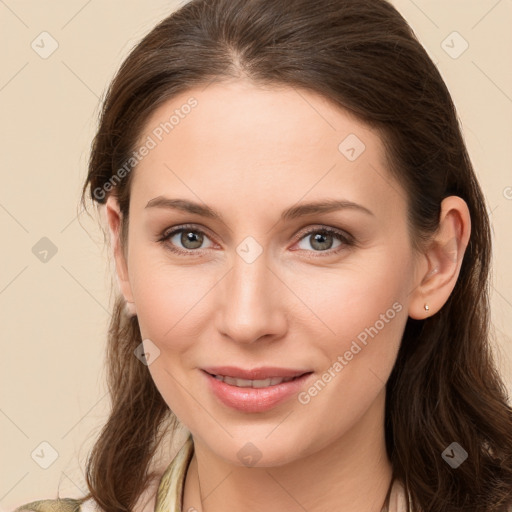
[(239, 138), (280, 118)]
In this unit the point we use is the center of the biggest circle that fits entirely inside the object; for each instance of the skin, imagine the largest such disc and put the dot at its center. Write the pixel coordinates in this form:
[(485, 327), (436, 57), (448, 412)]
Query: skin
[(250, 153)]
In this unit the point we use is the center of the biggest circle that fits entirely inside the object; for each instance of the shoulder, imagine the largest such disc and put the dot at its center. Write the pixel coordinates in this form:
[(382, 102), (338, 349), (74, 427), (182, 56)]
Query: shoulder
[(58, 505)]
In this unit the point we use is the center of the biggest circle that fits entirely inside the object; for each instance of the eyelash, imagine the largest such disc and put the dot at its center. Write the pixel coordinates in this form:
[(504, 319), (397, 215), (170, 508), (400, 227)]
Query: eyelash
[(346, 239)]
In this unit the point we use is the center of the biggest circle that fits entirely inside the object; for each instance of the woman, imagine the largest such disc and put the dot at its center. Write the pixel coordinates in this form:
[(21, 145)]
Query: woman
[(302, 251)]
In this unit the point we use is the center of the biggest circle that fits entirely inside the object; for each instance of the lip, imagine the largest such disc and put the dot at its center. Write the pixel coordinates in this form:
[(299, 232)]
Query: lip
[(264, 372), (252, 400)]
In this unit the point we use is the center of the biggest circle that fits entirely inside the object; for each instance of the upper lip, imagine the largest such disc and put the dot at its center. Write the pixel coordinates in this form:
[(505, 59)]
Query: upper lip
[(264, 372)]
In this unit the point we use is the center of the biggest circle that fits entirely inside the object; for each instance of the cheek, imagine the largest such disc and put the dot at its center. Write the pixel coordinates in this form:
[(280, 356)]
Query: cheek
[(360, 311), (363, 290), (362, 307), (170, 302), (167, 295)]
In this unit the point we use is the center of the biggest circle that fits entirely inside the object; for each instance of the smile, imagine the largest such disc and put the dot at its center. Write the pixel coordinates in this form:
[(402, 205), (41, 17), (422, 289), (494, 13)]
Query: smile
[(254, 395), (245, 383)]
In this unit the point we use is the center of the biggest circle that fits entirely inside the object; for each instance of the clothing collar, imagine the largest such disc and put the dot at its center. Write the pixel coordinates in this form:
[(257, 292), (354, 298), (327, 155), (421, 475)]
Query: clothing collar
[(169, 496)]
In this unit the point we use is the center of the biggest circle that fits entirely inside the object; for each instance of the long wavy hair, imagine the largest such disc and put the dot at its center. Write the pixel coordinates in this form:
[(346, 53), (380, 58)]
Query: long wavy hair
[(362, 55)]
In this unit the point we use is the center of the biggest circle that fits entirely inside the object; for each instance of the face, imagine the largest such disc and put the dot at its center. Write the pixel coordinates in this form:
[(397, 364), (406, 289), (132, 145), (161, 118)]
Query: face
[(321, 292)]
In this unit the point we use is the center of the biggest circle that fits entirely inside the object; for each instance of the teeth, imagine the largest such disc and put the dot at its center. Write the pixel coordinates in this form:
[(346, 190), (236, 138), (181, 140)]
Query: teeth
[(245, 383)]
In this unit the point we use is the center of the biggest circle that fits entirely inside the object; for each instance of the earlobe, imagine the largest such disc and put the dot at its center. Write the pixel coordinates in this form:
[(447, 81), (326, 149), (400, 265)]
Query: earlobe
[(443, 257), (114, 222)]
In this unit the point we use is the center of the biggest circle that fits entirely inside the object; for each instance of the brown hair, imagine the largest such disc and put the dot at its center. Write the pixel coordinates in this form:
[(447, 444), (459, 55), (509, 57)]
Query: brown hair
[(362, 55)]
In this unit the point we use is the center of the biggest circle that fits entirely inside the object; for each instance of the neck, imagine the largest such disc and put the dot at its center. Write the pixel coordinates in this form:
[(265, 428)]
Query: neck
[(352, 473)]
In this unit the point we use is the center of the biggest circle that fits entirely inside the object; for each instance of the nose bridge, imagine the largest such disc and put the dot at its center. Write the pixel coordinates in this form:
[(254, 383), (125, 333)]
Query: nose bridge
[(248, 309)]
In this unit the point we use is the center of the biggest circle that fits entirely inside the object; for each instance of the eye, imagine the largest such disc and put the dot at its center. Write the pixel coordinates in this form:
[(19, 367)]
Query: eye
[(321, 239), (189, 237)]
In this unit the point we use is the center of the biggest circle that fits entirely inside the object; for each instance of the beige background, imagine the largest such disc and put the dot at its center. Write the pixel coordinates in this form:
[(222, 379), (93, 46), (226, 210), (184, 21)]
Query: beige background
[(54, 314)]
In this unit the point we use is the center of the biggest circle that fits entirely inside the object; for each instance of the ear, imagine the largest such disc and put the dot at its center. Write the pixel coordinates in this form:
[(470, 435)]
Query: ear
[(114, 216), (441, 260)]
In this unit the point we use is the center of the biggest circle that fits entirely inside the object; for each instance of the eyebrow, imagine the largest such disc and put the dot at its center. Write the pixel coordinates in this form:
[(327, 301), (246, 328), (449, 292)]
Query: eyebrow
[(293, 212)]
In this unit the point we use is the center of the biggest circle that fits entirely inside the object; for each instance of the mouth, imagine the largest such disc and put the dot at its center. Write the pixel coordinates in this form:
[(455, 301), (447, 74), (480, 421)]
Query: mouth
[(254, 383), (260, 373), (255, 395)]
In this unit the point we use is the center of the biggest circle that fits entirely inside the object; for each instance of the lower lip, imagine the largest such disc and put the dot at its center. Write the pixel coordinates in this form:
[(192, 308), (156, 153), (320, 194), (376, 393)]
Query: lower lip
[(255, 399)]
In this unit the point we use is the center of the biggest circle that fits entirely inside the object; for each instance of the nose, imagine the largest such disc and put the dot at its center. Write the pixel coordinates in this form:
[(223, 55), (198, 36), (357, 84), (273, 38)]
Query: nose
[(251, 302)]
